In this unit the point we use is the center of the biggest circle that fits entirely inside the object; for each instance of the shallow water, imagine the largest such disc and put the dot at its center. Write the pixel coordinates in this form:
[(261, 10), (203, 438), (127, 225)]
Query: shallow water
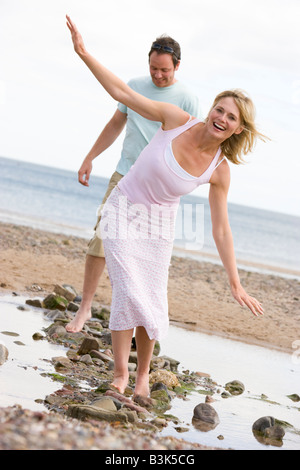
[(21, 381), (262, 371)]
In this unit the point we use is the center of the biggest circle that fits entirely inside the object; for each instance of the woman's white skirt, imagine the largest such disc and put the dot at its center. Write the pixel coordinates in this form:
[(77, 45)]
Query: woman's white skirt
[(138, 244)]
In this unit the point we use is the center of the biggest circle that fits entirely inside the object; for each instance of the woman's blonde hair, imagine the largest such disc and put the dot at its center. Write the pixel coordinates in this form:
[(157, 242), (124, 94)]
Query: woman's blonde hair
[(240, 144)]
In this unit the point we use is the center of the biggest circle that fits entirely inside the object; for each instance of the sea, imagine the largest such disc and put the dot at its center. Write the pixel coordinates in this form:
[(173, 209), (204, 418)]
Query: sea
[(51, 199)]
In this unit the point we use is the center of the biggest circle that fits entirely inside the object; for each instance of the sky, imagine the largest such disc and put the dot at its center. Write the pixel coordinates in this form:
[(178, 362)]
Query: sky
[(52, 109)]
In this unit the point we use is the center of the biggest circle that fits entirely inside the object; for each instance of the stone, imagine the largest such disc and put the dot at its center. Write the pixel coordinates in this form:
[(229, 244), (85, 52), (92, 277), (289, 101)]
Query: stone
[(88, 344), (34, 303), (165, 376), (37, 336), (61, 362), (275, 432), (53, 302), (205, 417), (294, 397), (3, 354), (267, 428), (202, 374), (73, 307), (56, 331), (65, 292), (101, 355), (83, 412), (235, 387), (86, 359), (160, 389), (173, 363), (105, 403), (159, 362), (262, 423)]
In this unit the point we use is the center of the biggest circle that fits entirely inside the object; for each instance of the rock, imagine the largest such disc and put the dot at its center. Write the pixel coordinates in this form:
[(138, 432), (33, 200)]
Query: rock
[(88, 344), (262, 423), (133, 357), (86, 359), (294, 397), (65, 292), (165, 376), (267, 428), (53, 302), (202, 374), (3, 354), (37, 336), (205, 417), (160, 387), (10, 333), (161, 396), (145, 402), (83, 412), (126, 401), (100, 355), (173, 363), (73, 307), (61, 362), (56, 331), (34, 303), (56, 315), (275, 432), (159, 422), (158, 362), (101, 313), (105, 403), (209, 399), (235, 387)]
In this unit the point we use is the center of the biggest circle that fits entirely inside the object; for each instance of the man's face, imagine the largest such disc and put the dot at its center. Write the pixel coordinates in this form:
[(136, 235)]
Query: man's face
[(162, 69)]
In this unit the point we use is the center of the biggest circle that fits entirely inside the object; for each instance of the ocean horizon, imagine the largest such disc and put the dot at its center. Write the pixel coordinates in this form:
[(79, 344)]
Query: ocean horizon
[(51, 199)]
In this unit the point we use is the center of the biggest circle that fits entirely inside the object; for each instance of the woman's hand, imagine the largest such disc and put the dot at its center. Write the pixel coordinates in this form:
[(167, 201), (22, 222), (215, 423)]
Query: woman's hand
[(243, 299), (76, 37)]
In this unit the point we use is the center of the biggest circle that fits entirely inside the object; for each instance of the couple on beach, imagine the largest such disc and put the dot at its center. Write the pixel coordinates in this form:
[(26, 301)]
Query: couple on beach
[(173, 152)]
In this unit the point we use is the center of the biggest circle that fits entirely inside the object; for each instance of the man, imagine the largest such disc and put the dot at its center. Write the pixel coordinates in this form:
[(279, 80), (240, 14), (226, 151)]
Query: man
[(164, 61)]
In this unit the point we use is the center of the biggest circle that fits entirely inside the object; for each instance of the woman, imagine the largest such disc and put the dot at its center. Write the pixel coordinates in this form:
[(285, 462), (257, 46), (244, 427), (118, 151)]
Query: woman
[(182, 155)]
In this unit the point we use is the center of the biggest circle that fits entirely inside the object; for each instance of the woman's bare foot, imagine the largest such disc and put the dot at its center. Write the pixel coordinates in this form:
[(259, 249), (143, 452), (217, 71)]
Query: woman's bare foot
[(79, 320), (120, 383), (142, 385)]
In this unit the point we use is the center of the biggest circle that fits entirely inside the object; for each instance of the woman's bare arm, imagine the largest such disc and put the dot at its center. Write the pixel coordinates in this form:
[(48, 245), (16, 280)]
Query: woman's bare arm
[(223, 238), (168, 114)]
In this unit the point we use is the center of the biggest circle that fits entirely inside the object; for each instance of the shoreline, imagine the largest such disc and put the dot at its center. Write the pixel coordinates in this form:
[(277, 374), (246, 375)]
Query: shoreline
[(34, 260)]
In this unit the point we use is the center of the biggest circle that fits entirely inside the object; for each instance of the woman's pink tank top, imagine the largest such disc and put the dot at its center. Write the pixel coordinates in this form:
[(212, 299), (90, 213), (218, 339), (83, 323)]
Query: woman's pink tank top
[(152, 181)]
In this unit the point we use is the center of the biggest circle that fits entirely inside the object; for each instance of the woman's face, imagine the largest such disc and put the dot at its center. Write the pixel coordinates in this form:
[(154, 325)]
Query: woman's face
[(224, 119)]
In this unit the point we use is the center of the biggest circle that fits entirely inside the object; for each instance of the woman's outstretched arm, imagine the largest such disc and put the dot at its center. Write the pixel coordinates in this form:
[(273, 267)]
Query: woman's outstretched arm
[(121, 92), (224, 241)]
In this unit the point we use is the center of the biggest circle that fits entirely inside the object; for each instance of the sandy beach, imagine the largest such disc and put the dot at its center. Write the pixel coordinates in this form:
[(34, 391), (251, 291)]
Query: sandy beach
[(33, 261)]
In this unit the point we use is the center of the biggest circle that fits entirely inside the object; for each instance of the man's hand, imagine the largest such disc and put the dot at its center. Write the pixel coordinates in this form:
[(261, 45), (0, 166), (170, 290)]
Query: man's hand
[(84, 172)]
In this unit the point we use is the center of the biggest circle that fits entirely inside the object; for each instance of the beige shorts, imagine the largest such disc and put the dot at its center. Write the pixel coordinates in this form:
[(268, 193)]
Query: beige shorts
[(95, 246)]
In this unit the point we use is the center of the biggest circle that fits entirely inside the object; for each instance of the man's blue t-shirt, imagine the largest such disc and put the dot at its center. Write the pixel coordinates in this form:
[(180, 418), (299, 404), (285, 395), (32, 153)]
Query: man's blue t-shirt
[(139, 131)]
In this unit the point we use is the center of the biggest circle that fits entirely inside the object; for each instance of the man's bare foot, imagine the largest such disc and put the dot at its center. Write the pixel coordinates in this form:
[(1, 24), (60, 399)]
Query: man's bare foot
[(142, 385), (79, 320)]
